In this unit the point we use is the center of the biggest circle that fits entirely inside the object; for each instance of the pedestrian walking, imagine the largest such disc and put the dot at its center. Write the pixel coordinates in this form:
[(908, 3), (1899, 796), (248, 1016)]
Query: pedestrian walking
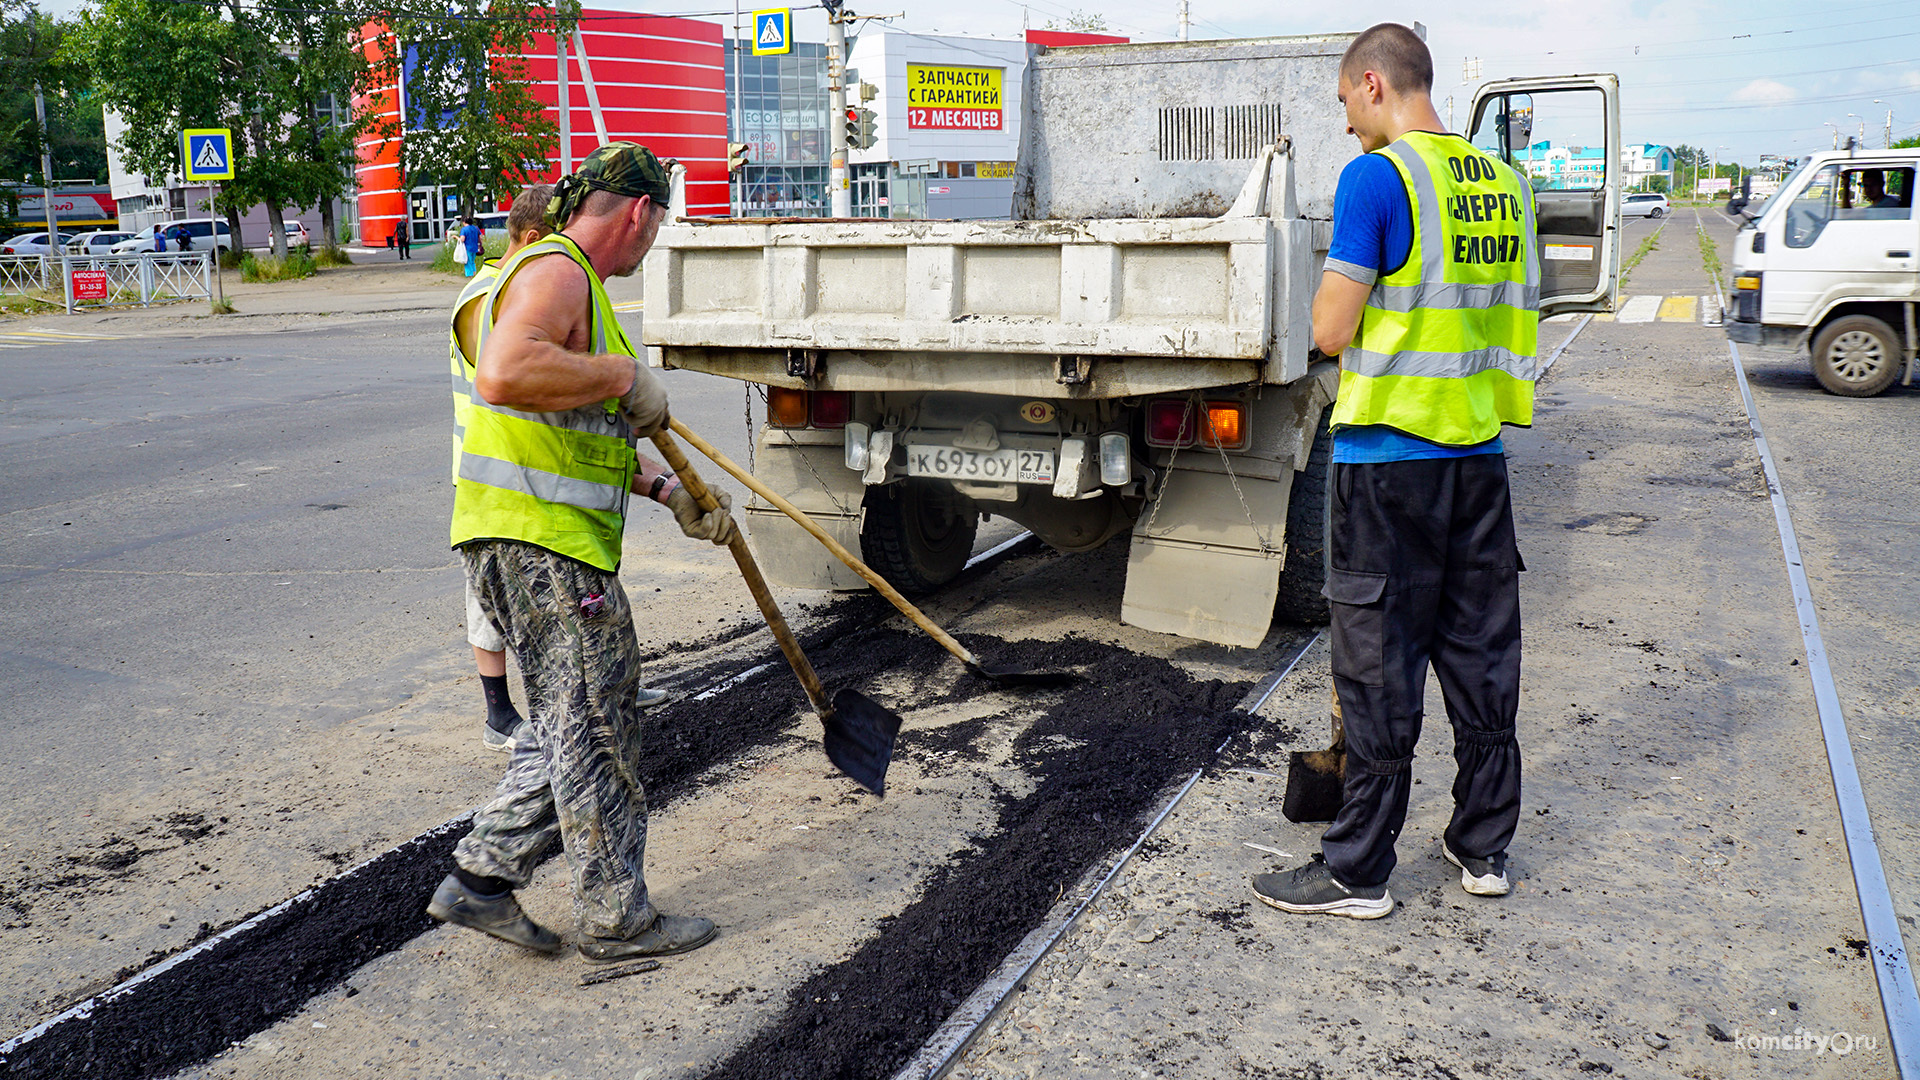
[(405, 236), (1430, 298), (546, 467), (471, 236)]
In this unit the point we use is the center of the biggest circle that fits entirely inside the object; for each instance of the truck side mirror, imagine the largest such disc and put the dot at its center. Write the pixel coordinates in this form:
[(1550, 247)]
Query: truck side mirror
[(1519, 122), (1738, 203)]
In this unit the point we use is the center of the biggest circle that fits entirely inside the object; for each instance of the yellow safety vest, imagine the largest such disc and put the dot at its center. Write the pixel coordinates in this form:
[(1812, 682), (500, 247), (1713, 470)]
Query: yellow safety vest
[(462, 364), (556, 479), (1448, 344)]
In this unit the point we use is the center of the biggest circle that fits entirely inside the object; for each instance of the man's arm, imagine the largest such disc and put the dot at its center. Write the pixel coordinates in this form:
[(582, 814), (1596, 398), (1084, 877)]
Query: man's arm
[(1336, 311), (525, 363)]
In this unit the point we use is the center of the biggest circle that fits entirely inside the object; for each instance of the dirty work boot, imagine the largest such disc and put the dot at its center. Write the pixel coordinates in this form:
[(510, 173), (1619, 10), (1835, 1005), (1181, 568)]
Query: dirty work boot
[(506, 742), (1481, 877), (668, 935), (1312, 889), (648, 698), (499, 915)]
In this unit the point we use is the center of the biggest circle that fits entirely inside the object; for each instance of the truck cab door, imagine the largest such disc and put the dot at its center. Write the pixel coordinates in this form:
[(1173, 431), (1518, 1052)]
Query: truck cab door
[(1562, 135)]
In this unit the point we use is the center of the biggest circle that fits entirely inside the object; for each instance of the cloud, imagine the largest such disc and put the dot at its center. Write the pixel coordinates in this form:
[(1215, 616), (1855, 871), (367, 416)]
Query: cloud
[(1766, 92)]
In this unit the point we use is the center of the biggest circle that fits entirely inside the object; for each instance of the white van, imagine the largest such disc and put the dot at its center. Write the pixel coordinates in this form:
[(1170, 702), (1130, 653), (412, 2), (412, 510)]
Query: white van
[(1832, 262), (197, 231)]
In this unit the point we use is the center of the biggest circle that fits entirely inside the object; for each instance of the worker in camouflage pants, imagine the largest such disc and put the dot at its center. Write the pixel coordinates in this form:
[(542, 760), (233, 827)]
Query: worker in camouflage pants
[(547, 465)]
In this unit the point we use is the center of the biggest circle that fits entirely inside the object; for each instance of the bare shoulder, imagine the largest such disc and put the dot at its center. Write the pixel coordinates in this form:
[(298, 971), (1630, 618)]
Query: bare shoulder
[(549, 292)]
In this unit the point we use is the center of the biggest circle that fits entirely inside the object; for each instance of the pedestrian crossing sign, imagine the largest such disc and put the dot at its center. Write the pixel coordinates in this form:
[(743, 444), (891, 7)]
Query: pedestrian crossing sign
[(208, 153), (773, 31)]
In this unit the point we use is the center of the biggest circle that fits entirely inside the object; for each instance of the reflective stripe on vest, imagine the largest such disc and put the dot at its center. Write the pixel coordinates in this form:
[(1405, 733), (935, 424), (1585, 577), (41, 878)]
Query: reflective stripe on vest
[(462, 366), (559, 480), (1447, 345)]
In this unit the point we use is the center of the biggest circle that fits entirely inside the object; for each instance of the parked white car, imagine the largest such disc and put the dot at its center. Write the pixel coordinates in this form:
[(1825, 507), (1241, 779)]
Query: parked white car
[(1644, 204), (99, 242), (196, 229), (296, 234), (34, 243)]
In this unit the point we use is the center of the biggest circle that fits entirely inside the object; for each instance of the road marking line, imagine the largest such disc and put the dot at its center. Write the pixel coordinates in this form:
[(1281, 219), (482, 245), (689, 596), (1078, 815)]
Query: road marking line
[(1710, 314), (1678, 308), (630, 305), (63, 335), (1639, 309)]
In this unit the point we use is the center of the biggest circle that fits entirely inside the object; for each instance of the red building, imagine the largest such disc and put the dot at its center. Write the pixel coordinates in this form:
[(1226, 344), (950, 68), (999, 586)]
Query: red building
[(660, 82)]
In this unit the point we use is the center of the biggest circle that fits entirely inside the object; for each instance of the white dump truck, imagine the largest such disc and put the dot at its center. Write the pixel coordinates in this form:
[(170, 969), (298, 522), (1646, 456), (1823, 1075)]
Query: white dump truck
[(1831, 264), (1131, 350)]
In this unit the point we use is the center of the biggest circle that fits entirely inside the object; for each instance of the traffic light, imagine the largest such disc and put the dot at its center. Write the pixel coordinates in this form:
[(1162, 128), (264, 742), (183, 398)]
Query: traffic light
[(736, 156), (860, 127), (852, 137)]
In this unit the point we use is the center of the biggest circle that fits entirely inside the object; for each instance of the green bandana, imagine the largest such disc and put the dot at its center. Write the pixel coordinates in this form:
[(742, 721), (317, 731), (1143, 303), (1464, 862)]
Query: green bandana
[(624, 168)]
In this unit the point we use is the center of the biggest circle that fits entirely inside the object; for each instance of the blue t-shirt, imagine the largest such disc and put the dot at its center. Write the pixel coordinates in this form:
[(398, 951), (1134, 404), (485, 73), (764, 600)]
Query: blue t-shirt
[(1373, 237), (471, 234)]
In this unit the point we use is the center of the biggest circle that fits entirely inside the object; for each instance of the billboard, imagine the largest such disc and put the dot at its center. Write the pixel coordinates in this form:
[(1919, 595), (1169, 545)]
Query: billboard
[(71, 209), (945, 98)]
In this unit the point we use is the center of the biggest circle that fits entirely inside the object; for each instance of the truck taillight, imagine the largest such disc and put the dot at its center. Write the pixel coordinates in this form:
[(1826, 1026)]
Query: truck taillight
[(1225, 427), (786, 407), (831, 408), (1170, 422)]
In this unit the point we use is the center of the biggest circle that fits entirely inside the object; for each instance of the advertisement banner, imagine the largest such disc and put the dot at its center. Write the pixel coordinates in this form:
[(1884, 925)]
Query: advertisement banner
[(944, 98), (69, 209), (89, 284)]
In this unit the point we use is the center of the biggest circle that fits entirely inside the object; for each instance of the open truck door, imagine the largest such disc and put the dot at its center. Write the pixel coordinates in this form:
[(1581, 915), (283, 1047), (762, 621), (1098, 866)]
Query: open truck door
[(1562, 134)]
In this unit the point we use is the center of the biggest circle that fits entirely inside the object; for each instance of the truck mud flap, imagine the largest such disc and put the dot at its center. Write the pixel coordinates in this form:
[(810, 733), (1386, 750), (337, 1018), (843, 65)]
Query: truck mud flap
[(809, 471), (1211, 576)]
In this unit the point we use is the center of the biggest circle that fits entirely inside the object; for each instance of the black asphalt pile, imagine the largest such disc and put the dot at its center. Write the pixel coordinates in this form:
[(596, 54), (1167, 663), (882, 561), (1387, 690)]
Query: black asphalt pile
[(267, 967), (1135, 725)]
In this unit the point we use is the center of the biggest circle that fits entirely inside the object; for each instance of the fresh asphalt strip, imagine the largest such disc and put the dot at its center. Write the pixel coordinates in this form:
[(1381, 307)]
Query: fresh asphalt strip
[(250, 976)]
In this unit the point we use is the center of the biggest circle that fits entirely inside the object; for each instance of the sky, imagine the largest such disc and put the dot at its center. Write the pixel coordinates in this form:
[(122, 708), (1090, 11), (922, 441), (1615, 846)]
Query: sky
[(1737, 79)]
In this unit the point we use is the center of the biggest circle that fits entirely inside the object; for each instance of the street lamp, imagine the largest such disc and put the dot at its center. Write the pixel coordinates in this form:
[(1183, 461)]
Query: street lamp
[(1836, 134), (1877, 101), (1863, 127)]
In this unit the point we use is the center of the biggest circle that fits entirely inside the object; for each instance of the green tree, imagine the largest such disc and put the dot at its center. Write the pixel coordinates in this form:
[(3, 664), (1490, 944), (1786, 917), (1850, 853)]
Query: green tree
[(472, 121), (1911, 142), (1080, 22), (30, 55)]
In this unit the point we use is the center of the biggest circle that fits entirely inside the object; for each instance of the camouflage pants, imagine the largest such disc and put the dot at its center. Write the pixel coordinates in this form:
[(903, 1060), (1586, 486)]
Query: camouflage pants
[(571, 630)]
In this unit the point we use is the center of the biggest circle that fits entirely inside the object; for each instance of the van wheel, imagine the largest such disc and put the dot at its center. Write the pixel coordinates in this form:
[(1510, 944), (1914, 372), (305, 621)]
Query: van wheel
[(1305, 571), (1856, 356), (918, 534)]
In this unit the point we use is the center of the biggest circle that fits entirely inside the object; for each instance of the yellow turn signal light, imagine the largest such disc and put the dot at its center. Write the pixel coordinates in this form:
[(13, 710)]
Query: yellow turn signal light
[(1225, 426), (786, 407), (1746, 283)]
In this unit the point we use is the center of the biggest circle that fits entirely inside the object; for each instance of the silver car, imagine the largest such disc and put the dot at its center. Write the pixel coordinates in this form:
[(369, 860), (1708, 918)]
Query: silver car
[(1645, 204)]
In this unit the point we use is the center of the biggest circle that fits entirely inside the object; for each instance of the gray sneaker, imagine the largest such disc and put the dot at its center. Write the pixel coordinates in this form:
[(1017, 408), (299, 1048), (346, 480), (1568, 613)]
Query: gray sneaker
[(668, 935), (1481, 877), (499, 916), (648, 698), (503, 742), (1313, 890)]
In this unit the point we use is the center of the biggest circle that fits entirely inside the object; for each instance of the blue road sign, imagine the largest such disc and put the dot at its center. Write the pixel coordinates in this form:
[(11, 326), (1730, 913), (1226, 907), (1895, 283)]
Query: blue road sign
[(208, 153), (773, 31)]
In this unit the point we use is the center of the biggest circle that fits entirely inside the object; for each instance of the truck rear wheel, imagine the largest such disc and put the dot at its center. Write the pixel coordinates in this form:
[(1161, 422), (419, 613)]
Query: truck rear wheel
[(918, 534), (1305, 572), (1856, 356)]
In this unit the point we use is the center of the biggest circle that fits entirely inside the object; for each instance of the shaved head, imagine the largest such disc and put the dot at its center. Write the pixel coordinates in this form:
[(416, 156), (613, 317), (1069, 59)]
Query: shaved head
[(1393, 52)]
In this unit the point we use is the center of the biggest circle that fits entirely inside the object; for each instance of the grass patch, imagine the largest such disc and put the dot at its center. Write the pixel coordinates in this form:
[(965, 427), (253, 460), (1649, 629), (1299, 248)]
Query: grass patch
[(1646, 247), (331, 256), (297, 264), (232, 260), (1710, 258), (31, 303), (223, 306), (443, 259)]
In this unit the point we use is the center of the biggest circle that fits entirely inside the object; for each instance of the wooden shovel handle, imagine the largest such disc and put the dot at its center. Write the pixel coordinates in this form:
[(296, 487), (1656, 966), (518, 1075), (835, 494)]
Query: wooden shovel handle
[(750, 570), (881, 584)]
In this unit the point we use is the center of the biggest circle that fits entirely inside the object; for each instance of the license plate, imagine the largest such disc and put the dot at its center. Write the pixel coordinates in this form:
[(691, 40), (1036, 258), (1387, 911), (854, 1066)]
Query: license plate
[(987, 466)]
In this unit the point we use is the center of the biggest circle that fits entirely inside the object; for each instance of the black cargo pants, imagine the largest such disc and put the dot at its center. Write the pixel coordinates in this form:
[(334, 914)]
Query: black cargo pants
[(1423, 568)]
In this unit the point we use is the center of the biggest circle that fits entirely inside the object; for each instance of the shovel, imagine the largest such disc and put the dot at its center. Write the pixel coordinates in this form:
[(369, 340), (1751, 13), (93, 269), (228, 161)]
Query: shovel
[(1316, 779), (859, 730), (1001, 676)]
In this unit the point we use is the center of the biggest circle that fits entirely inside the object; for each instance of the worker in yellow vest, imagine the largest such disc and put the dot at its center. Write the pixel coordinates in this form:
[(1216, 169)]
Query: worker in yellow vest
[(546, 466), (1430, 298)]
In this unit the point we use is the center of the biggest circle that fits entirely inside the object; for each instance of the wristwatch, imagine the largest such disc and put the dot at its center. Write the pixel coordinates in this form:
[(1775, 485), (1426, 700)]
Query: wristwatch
[(660, 481)]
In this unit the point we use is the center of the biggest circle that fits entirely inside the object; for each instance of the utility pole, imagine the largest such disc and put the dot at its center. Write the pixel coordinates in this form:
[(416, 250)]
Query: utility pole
[(46, 137), (837, 108), (1184, 22), (1889, 143), (738, 117)]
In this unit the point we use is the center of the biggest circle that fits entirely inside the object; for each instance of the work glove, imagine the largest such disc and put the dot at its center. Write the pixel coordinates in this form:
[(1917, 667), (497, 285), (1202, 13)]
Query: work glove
[(645, 404), (716, 526)]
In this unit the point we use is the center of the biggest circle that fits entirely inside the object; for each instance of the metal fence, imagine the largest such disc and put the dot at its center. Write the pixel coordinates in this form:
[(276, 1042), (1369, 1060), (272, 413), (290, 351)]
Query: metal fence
[(22, 273), (140, 278)]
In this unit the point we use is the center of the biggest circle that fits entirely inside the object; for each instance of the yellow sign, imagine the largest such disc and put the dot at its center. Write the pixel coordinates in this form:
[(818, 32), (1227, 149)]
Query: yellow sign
[(994, 170), (773, 32), (208, 153), (954, 98)]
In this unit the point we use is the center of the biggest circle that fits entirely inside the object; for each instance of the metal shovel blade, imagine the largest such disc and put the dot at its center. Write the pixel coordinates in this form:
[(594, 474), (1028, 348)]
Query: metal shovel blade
[(1018, 677), (859, 739)]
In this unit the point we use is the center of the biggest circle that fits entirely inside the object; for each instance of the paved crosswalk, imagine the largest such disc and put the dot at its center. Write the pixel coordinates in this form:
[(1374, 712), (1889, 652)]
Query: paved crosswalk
[(1648, 308), (27, 339)]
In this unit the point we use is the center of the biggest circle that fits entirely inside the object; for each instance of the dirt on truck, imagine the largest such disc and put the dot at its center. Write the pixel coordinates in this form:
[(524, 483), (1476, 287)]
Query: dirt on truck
[(1130, 351)]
